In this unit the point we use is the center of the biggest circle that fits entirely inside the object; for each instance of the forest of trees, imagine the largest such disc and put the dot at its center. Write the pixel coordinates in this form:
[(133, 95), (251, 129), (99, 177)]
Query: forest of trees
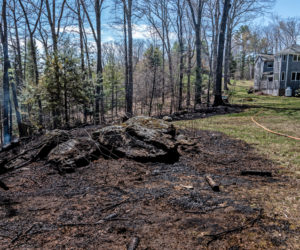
[(58, 71)]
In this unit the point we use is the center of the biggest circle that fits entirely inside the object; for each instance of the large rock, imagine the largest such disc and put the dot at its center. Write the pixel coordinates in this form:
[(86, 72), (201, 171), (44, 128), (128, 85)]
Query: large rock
[(140, 138), (74, 153), (51, 140)]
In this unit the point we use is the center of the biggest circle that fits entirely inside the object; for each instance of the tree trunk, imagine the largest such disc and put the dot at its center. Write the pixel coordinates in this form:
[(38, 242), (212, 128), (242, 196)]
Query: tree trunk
[(198, 83), (17, 109), (153, 90), (56, 113), (243, 64), (163, 55), (227, 58), (125, 57), (4, 40), (99, 81), (181, 53), (189, 71), (14, 91), (19, 70), (215, 40), (129, 109), (197, 21), (218, 85), (82, 64)]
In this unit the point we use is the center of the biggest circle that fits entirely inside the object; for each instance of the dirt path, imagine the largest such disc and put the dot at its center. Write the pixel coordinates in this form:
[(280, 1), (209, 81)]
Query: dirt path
[(111, 202)]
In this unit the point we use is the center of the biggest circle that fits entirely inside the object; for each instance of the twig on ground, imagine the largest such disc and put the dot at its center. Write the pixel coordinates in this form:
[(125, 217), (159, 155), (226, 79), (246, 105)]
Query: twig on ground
[(21, 234), (237, 229), (114, 205)]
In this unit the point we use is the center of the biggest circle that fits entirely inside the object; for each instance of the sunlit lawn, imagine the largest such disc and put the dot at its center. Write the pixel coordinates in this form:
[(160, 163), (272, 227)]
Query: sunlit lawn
[(280, 114)]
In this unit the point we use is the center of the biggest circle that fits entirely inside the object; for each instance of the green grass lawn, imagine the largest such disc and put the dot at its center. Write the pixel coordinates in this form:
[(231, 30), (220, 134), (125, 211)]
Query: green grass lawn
[(280, 114)]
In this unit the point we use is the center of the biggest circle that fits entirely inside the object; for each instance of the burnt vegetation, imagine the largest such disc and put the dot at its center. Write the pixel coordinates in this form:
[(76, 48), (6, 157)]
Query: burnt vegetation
[(90, 153), (68, 189)]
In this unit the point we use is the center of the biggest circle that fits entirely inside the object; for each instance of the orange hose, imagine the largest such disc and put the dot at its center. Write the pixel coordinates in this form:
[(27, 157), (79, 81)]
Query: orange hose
[(273, 132)]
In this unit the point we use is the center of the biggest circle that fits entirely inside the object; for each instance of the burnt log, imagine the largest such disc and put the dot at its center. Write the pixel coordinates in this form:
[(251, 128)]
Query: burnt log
[(214, 186), (134, 243), (257, 173)]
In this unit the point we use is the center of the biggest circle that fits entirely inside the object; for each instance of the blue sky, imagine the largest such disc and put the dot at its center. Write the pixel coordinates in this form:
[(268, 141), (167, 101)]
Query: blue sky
[(282, 8), (287, 8)]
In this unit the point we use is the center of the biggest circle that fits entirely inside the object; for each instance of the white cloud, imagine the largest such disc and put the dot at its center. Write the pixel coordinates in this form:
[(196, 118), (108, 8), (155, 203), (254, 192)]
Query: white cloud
[(142, 31)]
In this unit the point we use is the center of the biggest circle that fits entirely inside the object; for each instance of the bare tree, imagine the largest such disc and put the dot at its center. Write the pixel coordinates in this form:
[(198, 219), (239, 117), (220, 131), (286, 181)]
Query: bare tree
[(99, 99), (6, 103), (196, 9), (218, 85), (129, 87), (55, 25), (180, 9), (32, 29)]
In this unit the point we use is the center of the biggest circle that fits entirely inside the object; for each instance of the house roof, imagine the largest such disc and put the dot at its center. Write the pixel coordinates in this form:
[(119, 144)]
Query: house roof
[(294, 49), (265, 57)]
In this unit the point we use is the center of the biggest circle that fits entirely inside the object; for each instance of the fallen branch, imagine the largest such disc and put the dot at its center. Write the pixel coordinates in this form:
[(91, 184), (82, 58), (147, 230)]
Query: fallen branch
[(22, 233), (114, 205), (134, 243), (107, 218), (204, 211), (214, 186), (5, 162), (8, 170), (255, 172)]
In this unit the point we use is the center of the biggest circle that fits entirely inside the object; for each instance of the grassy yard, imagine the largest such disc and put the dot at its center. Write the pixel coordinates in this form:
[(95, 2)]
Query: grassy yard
[(279, 114)]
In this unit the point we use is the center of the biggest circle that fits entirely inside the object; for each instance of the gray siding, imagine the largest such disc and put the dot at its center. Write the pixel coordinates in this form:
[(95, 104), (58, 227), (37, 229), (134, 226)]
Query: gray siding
[(288, 67), (257, 74), (269, 79), (266, 68)]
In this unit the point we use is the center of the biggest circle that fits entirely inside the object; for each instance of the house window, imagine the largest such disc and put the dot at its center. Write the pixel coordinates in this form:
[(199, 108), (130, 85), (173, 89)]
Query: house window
[(270, 79), (282, 76), (295, 58), (270, 64), (295, 76), (284, 58)]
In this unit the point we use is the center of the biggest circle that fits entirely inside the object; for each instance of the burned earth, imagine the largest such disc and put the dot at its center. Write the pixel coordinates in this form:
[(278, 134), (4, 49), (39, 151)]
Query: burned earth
[(139, 185)]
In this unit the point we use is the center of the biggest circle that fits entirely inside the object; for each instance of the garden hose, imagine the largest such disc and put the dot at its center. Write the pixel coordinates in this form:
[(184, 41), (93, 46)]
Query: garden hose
[(273, 132)]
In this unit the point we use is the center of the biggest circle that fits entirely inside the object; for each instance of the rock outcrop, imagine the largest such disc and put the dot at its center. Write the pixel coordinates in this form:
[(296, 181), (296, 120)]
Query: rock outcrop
[(74, 153), (141, 139), (51, 140)]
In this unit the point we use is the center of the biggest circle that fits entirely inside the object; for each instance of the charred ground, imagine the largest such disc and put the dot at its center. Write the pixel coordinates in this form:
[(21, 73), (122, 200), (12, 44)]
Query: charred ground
[(111, 203)]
